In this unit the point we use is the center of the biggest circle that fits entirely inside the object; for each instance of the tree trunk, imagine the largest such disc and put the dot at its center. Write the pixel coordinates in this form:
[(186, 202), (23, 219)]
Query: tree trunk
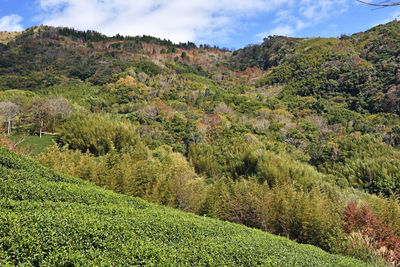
[(40, 130), (54, 124), (9, 125)]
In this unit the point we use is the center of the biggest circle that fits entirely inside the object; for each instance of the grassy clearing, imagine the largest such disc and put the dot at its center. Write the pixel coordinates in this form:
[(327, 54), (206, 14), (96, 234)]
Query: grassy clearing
[(33, 143)]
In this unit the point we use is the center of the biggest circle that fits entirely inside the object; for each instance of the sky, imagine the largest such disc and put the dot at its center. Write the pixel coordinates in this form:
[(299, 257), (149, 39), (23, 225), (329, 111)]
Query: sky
[(230, 24)]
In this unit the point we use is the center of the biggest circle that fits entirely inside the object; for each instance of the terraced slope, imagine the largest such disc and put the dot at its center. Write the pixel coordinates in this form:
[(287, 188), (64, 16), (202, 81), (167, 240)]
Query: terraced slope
[(48, 219)]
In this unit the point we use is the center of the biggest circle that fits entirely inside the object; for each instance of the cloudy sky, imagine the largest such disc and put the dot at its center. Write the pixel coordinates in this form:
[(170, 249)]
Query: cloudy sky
[(227, 23)]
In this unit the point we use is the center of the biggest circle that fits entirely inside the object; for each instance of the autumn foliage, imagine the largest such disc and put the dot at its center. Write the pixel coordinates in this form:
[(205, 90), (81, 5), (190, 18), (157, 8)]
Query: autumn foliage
[(373, 231)]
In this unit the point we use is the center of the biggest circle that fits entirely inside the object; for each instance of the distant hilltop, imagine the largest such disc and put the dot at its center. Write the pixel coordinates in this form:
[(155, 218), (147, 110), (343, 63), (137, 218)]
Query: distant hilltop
[(6, 37)]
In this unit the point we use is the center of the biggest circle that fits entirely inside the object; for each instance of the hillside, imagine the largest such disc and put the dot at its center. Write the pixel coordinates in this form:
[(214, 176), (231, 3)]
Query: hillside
[(47, 219), (360, 70), (298, 137)]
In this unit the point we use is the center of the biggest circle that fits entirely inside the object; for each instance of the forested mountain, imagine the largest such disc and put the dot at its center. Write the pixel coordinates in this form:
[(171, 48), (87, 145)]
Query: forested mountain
[(362, 68), (295, 136)]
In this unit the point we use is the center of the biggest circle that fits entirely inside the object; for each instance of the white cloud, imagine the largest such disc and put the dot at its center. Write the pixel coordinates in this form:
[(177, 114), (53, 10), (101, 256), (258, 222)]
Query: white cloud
[(11, 23), (183, 20), (178, 20), (295, 16)]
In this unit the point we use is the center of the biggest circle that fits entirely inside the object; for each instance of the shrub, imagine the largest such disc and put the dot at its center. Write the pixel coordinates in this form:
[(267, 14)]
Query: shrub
[(147, 67), (375, 234), (96, 134)]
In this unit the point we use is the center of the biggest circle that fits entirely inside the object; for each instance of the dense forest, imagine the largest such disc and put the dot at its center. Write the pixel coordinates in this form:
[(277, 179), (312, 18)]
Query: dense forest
[(297, 137)]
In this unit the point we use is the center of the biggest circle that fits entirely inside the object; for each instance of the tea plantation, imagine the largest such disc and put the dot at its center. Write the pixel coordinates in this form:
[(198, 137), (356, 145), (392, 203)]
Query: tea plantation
[(52, 219)]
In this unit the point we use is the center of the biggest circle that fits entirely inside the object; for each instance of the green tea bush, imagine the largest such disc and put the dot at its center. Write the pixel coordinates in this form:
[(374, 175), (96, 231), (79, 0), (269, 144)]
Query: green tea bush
[(49, 219)]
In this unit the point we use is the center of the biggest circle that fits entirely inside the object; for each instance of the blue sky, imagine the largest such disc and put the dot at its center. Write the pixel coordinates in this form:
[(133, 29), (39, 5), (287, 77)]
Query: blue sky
[(227, 23)]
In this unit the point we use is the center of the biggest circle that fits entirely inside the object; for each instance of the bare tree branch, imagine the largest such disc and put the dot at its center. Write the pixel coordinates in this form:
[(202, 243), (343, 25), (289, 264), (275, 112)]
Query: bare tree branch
[(380, 4), (20, 140)]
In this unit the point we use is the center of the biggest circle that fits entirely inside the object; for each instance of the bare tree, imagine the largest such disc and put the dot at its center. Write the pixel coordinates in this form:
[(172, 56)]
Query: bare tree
[(149, 112), (39, 111), (58, 108), (9, 110), (380, 3)]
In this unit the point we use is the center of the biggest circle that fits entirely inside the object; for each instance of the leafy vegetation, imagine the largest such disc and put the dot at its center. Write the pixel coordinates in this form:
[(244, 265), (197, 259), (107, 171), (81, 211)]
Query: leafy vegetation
[(281, 136), (47, 219)]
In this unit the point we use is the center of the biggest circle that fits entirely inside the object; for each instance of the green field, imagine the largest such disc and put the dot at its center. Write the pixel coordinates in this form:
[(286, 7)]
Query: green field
[(49, 219), (33, 143)]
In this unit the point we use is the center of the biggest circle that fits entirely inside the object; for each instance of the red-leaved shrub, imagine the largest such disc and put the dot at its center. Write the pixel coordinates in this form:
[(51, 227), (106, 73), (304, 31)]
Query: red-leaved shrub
[(380, 237)]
